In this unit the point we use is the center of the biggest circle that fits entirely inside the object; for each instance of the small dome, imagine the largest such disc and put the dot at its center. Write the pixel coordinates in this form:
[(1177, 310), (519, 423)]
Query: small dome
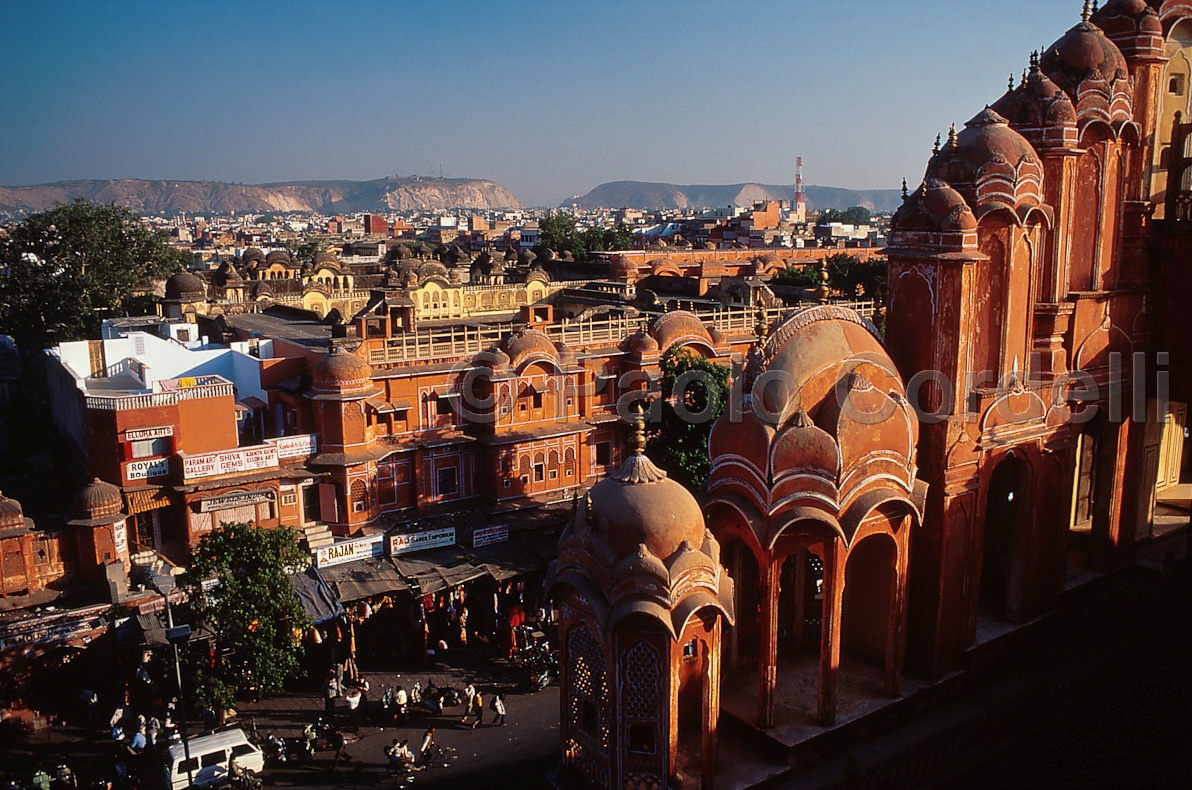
[(252, 254), (934, 207), (1080, 51), (11, 515), (278, 256), (640, 343), (529, 343), (987, 160), (1036, 103), (638, 504), (185, 285), (340, 370), (403, 252), (680, 327), (328, 258), (432, 269), (99, 499), (623, 268)]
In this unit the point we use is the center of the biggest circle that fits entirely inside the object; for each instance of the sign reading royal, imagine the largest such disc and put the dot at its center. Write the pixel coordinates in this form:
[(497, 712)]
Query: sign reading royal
[(245, 459), (417, 541), (349, 550), (487, 536), (149, 467)]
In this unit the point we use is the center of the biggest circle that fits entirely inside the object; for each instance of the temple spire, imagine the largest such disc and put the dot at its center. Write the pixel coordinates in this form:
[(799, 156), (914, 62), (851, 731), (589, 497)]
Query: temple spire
[(1084, 15)]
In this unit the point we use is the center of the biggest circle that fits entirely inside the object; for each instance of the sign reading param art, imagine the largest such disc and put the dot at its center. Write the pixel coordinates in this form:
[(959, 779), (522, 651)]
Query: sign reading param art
[(137, 434), (349, 550), (150, 467), (226, 462), (295, 446), (487, 536), (417, 541), (236, 499)]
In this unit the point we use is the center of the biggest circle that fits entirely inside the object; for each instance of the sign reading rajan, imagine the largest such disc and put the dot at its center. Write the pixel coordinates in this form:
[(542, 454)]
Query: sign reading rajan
[(227, 462), (417, 541)]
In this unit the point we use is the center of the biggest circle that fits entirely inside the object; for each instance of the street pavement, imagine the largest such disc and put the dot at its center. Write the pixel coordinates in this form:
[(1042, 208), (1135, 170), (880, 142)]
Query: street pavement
[(516, 755)]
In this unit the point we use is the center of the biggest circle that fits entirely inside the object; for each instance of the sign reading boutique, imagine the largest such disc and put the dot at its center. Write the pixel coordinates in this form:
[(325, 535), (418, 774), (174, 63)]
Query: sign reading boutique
[(417, 541), (147, 468)]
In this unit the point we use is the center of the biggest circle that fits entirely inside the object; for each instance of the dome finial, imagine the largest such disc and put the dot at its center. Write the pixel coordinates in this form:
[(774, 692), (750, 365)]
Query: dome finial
[(904, 194), (952, 139), (1010, 85), (1084, 15), (637, 441), (936, 149), (762, 327), (1095, 9)]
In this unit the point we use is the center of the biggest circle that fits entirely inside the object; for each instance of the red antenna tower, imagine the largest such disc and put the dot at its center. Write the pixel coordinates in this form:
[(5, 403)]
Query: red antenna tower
[(800, 195)]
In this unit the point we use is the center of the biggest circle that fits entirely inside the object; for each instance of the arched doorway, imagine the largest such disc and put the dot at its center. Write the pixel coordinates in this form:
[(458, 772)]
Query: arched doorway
[(743, 639), (870, 590), (1005, 510)]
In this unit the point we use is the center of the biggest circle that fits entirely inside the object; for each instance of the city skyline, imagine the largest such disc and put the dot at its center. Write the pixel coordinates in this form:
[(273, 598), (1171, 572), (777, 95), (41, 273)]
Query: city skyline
[(548, 101)]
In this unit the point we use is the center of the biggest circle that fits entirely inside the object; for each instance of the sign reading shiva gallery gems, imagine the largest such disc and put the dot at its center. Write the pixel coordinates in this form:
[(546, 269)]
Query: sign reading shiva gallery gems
[(349, 550), (417, 541), (226, 462)]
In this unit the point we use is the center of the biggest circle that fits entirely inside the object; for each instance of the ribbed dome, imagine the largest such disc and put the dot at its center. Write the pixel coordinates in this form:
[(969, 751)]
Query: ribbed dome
[(11, 515), (934, 207), (278, 256), (185, 285), (639, 504), (340, 370), (252, 254), (1079, 52), (99, 499), (640, 343), (529, 343), (623, 268)]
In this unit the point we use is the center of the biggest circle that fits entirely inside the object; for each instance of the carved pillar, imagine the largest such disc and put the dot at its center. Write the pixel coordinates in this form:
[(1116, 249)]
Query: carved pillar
[(767, 657), (711, 710), (834, 557), (896, 633)]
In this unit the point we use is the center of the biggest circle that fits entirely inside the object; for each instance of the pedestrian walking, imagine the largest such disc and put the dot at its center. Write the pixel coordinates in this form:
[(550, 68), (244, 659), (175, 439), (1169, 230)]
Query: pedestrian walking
[(340, 744), (498, 706), (478, 709), (428, 745), (330, 692), (469, 694)]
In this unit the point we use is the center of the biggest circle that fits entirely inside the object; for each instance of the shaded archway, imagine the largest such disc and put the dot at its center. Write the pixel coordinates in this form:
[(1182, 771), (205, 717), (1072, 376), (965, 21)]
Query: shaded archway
[(743, 639), (1006, 508), (870, 591)]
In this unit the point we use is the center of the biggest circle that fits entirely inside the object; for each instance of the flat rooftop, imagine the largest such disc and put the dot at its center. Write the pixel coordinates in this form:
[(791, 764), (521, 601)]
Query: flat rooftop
[(278, 326)]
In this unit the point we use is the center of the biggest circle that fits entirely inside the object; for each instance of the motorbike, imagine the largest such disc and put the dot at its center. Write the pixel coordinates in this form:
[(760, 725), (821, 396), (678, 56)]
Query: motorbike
[(248, 780), (274, 750), (543, 667), (319, 735)]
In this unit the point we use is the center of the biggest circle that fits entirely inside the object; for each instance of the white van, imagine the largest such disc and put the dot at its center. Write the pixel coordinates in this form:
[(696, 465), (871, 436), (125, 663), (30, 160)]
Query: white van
[(209, 757)]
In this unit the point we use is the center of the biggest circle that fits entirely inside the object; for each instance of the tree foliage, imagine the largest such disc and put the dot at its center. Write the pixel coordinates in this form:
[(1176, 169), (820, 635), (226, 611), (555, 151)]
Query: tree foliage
[(302, 251), (695, 391), (800, 276), (854, 215), (65, 270), (557, 231), (853, 278), (252, 613)]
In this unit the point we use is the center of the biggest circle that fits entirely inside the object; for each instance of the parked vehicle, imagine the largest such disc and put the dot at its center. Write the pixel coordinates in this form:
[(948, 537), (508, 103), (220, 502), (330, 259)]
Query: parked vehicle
[(209, 758)]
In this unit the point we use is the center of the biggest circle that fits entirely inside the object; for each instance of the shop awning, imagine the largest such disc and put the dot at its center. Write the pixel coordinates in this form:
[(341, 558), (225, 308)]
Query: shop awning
[(359, 579), (505, 560), (437, 569), (317, 599)]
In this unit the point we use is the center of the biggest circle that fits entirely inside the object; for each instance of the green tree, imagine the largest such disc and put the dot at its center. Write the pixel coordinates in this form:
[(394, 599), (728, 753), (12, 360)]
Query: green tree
[(853, 278), (695, 391), (800, 276), (854, 215), (252, 613), (65, 270), (303, 251), (556, 231)]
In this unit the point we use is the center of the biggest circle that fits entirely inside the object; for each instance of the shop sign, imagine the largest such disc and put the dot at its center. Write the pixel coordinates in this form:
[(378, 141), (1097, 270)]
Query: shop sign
[(417, 541), (349, 550), (120, 539), (147, 468), (487, 536), (295, 446), (137, 434), (229, 462), (234, 500)]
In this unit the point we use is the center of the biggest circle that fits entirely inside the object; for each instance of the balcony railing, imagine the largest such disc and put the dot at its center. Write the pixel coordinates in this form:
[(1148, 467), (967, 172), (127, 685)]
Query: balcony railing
[(147, 400)]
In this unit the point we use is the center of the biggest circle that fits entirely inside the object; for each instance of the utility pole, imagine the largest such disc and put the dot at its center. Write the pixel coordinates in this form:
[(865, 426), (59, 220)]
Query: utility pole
[(174, 635)]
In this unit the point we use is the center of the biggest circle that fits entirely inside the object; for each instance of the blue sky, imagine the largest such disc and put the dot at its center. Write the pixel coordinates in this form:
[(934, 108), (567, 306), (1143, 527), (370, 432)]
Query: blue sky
[(547, 98)]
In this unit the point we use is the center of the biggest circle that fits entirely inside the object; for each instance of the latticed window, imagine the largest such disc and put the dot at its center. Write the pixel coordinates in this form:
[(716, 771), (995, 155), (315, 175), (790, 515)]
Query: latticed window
[(359, 496), (588, 690), (640, 688)]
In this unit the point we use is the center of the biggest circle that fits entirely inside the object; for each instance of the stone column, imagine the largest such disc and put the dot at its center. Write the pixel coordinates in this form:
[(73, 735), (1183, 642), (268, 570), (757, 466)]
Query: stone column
[(834, 557), (767, 656)]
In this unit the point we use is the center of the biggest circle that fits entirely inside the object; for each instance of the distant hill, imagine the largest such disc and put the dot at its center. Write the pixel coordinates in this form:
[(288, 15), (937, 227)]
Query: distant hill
[(646, 195), (166, 198)]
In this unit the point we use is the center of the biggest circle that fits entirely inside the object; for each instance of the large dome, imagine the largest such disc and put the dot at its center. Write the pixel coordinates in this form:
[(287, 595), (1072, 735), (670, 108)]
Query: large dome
[(638, 504), (340, 370), (185, 285), (1079, 53)]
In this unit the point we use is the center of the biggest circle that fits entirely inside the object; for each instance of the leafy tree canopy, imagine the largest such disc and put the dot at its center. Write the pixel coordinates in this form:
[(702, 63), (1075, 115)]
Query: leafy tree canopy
[(65, 270), (857, 279), (695, 391), (801, 276), (303, 251), (855, 215), (557, 231), (252, 613)]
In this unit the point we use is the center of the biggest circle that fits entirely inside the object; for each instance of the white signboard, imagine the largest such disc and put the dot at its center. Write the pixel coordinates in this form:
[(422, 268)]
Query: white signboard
[(137, 434), (237, 499), (417, 541), (349, 550), (295, 446), (120, 539), (149, 467), (227, 462), (486, 536)]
